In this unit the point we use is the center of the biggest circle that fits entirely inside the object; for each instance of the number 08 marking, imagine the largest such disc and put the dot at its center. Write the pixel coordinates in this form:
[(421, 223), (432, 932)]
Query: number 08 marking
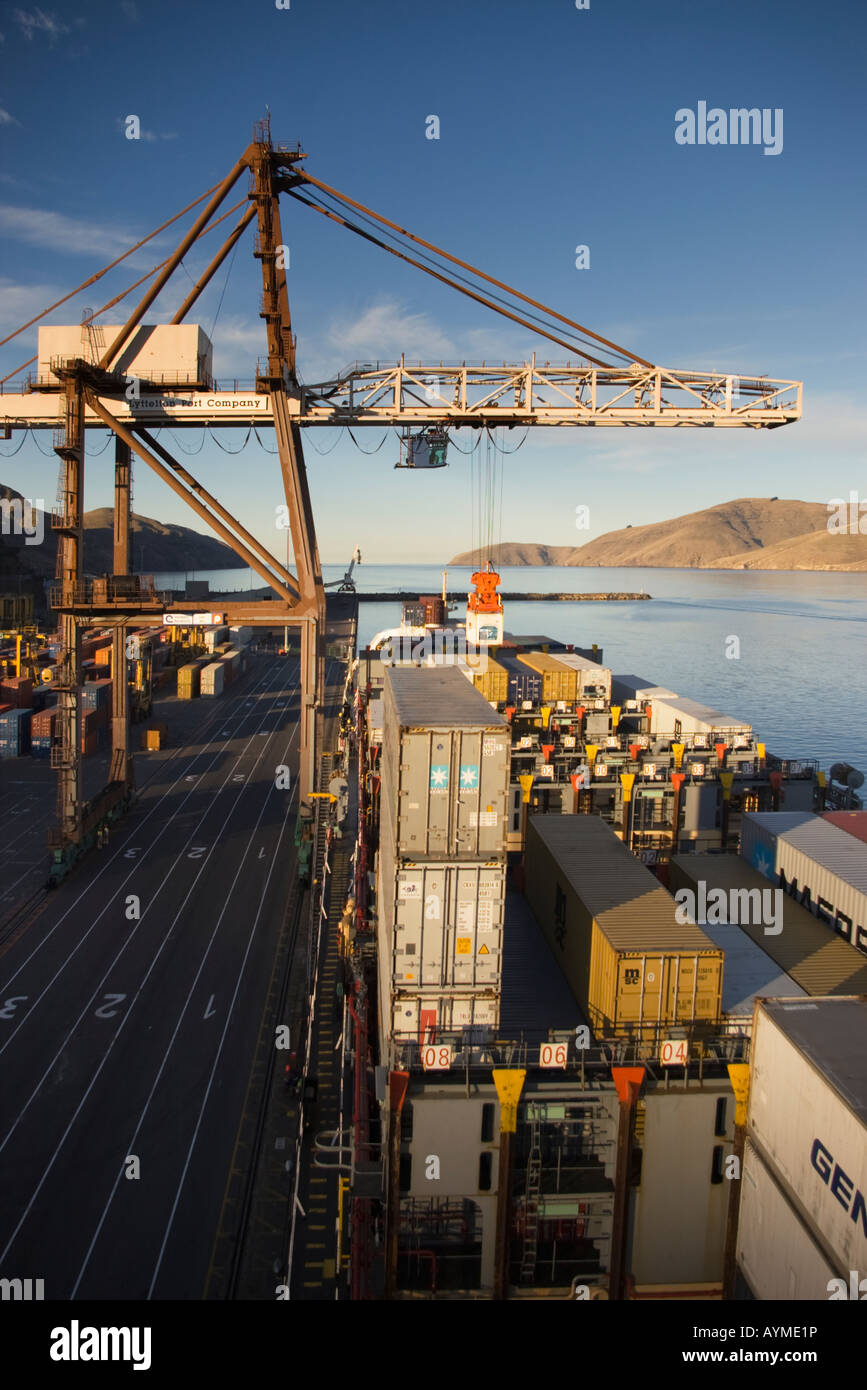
[(436, 1057)]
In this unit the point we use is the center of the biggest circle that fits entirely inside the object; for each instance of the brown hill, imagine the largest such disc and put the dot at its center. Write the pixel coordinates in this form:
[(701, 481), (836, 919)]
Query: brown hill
[(748, 533)]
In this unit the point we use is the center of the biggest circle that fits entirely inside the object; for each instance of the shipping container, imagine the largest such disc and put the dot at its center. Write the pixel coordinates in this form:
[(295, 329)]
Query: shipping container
[(748, 971), (818, 961), (424, 1018), (189, 681), (440, 926), (15, 733), (593, 679), (240, 636), (524, 684), (776, 1252), (559, 682), (679, 717), (625, 688), (445, 766), (853, 822), (630, 964), (17, 691), (214, 636), (212, 678), (815, 862), (154, 737), (492, 683), (807, 1117)]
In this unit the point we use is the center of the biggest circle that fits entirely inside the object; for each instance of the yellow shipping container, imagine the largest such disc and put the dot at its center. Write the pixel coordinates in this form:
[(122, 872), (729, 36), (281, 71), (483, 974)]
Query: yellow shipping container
[(189, 681), (492, 683), (559, 682), (154, 738), (631, 965)]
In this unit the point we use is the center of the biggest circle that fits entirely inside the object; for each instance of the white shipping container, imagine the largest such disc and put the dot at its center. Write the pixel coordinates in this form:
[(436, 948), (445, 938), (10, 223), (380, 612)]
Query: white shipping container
[(814, 861), (776, 1252), (214, 636), (669, 716), (808, 1116), (590, 673), (212, 678), (446, 758), (639, 689), (241, 636), (425, 1018), (747, 971)]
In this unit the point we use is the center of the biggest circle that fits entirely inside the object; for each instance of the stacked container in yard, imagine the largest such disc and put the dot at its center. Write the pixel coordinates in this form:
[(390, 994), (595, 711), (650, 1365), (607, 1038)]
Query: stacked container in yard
[(15, 733), (189, 681), (42, 732), (442, 861), (96, 698), (814, 861), (632, 967), (241, 636), (802, 1222), (231, 661), (17, 691), (559, 682), (92, 725), (212, 678), (214, 636)]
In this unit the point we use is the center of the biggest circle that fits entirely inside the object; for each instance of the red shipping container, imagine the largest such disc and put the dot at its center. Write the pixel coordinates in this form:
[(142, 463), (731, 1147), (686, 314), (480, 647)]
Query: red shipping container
[(89, 744), (17, 691), (42, 724)]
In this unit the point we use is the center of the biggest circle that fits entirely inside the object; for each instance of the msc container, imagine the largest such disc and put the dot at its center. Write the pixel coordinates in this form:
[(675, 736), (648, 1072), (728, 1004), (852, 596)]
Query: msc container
[(189, 681), (818, 961), (630, 964), (212, 678), (592, 677), (776, 1253), (807, 1117), (559, 682), (441, 925), (853, 822), (492, 683), (524, 689), (15, 733), (814, 861), (445, 766)]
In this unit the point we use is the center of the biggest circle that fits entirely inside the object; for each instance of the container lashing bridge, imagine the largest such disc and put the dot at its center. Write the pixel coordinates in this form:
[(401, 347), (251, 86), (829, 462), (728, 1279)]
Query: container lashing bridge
[(607, 386)]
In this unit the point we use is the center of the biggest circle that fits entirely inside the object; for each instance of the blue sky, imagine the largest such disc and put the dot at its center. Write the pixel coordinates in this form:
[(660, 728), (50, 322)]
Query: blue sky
[(556, 129)]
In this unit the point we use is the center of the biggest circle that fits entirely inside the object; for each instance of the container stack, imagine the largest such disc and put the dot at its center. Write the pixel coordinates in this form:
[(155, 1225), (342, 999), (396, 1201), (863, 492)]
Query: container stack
[(212, 678), (17, 691), (189, 681), (42, 732), (15, 733), (442, 855)]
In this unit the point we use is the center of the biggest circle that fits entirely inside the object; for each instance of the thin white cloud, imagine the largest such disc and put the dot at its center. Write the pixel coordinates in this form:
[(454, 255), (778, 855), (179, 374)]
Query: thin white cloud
[(6, 118), (36, 21), (130, 11), (71, 235)]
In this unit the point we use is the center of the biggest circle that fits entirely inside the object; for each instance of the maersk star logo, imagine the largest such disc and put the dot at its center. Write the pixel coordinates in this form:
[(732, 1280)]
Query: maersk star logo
[(762, 862), (439, 777), (469, 776)]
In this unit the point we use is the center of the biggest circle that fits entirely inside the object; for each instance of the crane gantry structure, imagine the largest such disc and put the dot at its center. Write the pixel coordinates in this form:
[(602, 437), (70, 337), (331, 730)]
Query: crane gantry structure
[(608, 386)]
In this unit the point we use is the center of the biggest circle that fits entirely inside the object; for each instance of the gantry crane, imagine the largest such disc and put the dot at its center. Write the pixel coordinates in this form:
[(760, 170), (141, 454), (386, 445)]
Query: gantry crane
[(606, 386)]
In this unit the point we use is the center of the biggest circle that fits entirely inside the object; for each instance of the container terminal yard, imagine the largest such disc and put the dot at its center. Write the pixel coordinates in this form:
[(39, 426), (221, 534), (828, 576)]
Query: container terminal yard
[(459, 966)]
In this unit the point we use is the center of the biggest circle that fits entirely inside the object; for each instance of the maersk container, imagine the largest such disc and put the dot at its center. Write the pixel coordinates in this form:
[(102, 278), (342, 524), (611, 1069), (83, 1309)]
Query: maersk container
[(445, 766), (524, 684), (815, 862), (816, 959), (591, 676), (559, 682), (807, 1117), (776, 1252), (632, 967), (212, 678)]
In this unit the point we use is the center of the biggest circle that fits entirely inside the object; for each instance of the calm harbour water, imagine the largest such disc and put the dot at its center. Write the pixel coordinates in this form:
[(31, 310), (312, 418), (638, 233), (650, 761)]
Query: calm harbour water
[(801, 678)]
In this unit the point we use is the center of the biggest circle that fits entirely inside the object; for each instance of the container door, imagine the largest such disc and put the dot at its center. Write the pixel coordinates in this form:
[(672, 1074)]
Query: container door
[(425, 790), (476, 918), (420, 927)]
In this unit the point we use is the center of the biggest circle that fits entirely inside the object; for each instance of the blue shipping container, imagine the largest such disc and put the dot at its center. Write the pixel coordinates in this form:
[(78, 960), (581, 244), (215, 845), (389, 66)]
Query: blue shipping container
[(525, 684), (15, 733)]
